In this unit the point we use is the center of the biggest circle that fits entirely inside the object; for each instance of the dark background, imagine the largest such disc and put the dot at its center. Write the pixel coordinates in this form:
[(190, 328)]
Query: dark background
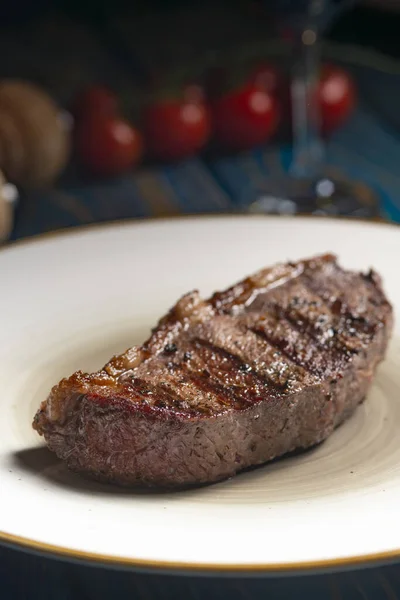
[(363, 25)]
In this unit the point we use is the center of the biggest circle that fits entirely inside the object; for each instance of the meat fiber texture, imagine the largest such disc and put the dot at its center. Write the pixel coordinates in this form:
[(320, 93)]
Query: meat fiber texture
[(273, 364)]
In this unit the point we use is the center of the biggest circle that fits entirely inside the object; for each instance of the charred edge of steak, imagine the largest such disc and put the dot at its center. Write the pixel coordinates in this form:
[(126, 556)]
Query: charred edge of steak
[(271, 365)]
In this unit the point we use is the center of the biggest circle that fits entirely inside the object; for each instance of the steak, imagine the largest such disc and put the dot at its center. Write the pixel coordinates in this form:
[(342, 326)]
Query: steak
[(273, 364)]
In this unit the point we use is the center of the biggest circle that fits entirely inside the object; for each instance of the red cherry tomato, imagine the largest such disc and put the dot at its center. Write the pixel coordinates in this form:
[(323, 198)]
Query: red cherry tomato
[(108, 146), (337, 97), (244, 118), (175, 130), (95, 99)]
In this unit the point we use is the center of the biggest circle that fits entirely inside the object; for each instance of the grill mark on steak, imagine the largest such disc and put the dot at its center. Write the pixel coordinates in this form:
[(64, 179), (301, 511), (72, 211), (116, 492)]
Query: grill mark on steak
[(351, 331), (324, 332), (308, 318), (155, 394), (233, 372), (351, 303), (281, 345), (134, 393), (324, 296), (312, 315), (299, 346), (226, 397)]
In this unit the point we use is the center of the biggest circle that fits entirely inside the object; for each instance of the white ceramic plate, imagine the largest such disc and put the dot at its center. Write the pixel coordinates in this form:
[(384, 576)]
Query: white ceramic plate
[(71, 301)]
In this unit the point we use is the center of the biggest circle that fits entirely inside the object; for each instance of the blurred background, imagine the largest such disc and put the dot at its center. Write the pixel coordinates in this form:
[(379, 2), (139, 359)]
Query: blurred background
[(155, 109)]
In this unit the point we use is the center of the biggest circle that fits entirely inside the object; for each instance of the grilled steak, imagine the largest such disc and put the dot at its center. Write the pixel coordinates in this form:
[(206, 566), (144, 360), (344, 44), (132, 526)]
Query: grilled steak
[(271, 365)]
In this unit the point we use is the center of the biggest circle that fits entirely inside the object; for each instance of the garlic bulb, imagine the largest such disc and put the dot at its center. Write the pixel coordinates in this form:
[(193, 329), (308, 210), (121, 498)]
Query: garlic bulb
[(34, 136)]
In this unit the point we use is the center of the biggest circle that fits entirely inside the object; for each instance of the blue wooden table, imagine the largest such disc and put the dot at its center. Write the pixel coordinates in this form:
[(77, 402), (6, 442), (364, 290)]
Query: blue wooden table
[(25, 577)]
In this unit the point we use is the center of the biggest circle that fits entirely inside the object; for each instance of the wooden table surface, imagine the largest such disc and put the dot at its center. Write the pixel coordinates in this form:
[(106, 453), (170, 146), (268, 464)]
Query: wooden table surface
[(26, 577)]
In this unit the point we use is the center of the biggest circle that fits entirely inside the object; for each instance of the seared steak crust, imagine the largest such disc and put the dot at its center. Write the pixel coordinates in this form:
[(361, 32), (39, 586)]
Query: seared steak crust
[(268, 366)]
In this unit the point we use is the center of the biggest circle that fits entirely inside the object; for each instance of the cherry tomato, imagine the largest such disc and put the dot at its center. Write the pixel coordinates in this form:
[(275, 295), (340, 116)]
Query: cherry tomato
[(95, 99), (176, 129), (244, 118), (108, 146), (337, 97)]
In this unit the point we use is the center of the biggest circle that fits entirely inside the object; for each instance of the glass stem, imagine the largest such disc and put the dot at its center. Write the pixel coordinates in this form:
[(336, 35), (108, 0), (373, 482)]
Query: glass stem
[(308, 148)]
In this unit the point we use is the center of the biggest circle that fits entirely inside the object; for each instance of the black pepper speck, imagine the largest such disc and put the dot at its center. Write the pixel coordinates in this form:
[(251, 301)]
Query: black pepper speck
[(170, 348)]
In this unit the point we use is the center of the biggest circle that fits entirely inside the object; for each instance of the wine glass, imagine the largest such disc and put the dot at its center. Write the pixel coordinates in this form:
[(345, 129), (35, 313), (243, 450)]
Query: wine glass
[(308, 187)]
